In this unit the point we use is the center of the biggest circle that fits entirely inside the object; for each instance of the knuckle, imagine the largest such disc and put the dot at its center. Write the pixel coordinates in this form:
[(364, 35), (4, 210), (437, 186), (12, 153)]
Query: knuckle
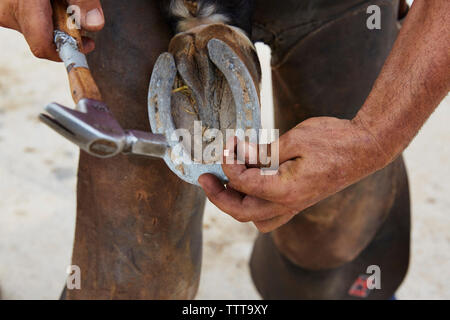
[(290, 197), (254, 187), (258, 186), (242, 217), (270, 186), (40, 51)]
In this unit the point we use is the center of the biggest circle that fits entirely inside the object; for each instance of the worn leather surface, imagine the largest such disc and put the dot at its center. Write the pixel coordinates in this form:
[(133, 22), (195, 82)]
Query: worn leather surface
[(325, 64), (138, 228), (276, 277)]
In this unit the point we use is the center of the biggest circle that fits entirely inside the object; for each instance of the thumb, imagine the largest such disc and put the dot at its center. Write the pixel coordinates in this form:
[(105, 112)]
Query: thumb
[(89, 14)]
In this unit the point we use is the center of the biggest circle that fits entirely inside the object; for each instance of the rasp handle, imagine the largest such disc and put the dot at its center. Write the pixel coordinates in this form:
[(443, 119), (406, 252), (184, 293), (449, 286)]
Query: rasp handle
[(69, 43)]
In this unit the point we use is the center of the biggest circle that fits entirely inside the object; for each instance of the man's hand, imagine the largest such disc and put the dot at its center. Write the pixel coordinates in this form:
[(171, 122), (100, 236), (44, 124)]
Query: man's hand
[(322, 156), (318, 158), (33, 18)]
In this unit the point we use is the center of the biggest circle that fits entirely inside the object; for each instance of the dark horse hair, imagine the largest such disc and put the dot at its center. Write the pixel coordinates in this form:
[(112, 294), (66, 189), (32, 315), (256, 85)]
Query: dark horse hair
[(233, 12)]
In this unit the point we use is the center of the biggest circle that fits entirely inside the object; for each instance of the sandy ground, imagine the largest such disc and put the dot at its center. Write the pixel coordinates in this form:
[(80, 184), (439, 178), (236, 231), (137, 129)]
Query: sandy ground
[(37, 202)]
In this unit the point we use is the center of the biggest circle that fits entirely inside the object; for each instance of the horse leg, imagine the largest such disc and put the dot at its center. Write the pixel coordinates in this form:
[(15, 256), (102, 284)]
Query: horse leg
[(138, 228)]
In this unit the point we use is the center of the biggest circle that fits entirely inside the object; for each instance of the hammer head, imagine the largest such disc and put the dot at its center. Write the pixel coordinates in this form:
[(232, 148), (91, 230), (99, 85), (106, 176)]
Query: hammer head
[(91, 126)]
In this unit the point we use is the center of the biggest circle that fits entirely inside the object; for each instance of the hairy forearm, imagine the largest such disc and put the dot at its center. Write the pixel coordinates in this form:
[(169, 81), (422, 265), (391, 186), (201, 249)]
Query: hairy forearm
[(413, 81)]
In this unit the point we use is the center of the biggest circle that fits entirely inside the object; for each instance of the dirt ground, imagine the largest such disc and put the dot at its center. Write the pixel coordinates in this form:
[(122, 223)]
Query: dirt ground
[(37, 202)]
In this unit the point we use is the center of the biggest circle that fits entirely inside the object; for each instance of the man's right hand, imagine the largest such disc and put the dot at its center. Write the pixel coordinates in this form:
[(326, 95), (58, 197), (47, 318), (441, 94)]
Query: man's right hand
[(33, 18)]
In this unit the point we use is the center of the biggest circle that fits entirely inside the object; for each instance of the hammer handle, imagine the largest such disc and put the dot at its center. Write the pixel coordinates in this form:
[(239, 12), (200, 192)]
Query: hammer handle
[(82, 83)]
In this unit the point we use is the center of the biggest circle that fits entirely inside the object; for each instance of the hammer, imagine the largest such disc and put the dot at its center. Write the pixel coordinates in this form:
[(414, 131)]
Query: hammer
[(91, 125)]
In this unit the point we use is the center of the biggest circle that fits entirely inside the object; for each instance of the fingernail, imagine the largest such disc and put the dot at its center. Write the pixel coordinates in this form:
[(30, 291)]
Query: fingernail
[(94, 18)]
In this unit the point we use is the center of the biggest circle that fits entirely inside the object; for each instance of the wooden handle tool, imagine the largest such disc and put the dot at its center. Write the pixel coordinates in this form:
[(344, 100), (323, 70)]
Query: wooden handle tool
[(91, 125), (69, 43)]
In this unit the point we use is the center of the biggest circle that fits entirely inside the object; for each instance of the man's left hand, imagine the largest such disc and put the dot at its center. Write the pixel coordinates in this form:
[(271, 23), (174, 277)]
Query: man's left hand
[(318, 158)]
